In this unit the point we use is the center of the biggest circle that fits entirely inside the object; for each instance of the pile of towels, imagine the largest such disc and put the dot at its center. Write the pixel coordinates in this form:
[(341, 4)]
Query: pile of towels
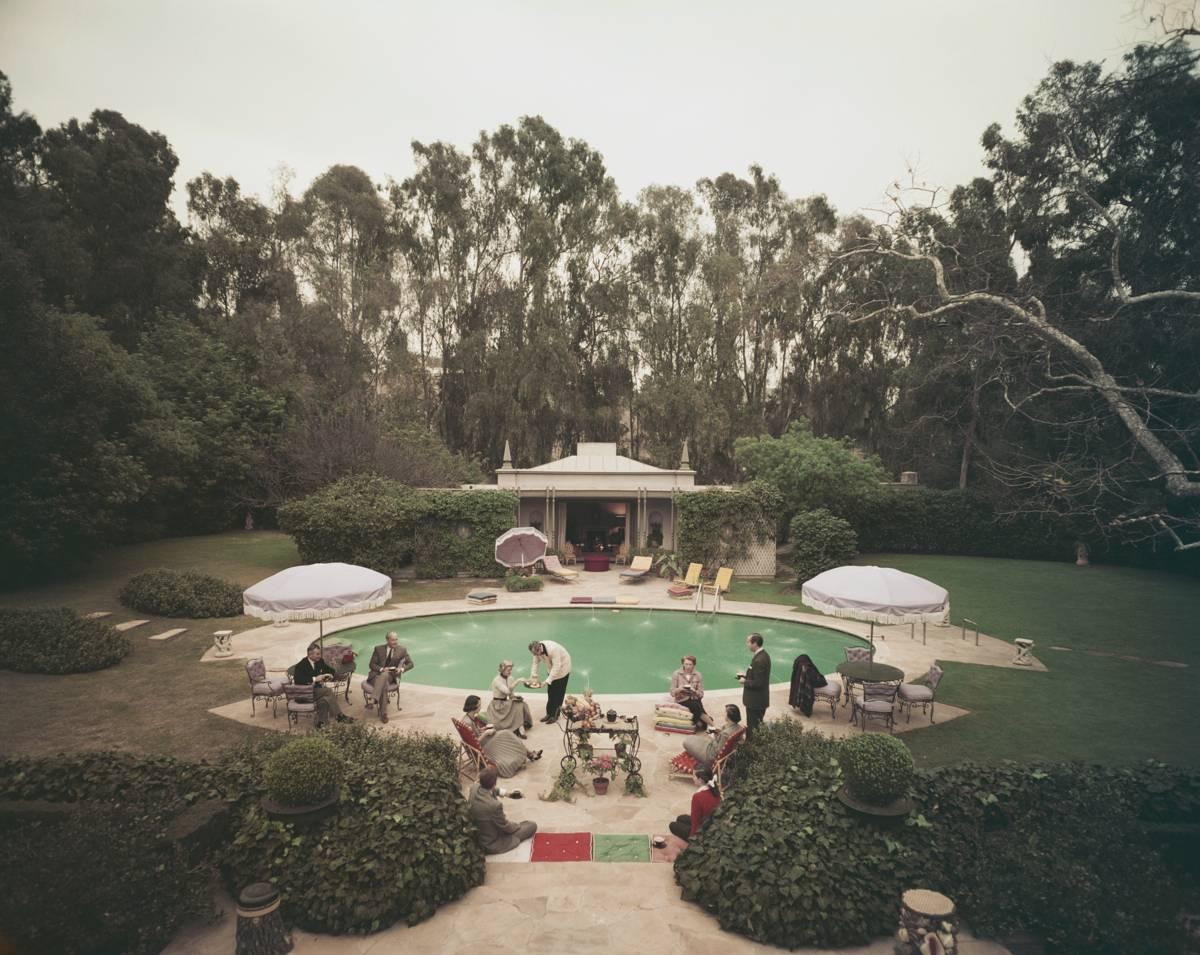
[(673, 718)]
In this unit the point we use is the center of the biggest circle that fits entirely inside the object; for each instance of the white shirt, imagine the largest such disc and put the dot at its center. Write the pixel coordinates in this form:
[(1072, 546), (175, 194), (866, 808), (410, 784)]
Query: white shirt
[(560, 661)]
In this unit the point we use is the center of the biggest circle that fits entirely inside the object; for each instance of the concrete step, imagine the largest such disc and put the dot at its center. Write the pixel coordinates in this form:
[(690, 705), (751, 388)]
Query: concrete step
[(168, 634), (130, 624), (97, 615)]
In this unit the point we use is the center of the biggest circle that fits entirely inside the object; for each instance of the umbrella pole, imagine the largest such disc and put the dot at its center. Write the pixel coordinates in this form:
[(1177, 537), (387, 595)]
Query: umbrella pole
[(872, 638)]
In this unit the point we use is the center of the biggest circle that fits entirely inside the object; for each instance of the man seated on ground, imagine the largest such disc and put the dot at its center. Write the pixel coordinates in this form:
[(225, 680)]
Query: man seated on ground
[(496, 833), (314, 671), (388, 661), (704, 803)]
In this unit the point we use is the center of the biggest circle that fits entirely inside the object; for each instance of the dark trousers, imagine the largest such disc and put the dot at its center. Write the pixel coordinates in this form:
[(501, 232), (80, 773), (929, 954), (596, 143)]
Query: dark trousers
[(754, 718), (697, 710), (682, 827), (554, 695)]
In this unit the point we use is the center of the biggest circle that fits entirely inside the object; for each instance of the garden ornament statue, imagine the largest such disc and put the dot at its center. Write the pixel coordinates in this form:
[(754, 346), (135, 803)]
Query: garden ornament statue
[(223, 643)]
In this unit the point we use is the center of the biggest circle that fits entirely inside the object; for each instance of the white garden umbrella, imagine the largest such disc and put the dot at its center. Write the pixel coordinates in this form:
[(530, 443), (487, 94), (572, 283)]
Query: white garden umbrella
[(520, 547), (877, 595), (317, 592)]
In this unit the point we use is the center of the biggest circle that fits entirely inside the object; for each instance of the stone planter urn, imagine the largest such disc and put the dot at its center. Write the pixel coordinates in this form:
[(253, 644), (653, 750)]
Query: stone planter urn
[(223, 643)]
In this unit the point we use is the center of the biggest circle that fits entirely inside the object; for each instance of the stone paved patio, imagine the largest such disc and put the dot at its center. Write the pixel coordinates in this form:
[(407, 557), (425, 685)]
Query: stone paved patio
[(539, 906)]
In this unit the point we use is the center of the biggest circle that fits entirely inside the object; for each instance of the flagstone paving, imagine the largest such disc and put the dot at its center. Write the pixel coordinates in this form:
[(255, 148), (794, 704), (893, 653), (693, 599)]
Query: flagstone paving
[(580, 906)]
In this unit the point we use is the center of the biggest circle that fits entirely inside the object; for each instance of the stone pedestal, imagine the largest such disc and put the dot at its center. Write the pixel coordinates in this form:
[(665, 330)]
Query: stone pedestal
[(260, 928), (223, 643), (1024, 655), (928, 924)]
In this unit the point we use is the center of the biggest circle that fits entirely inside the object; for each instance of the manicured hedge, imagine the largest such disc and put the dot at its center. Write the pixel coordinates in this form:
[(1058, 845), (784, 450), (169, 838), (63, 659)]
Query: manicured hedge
[(176, 593), (516, 584), (58, 641), (378, 523), (927, 521), (716, 527), (399, 844), (1060, 851), (820, 541), (304, 772)]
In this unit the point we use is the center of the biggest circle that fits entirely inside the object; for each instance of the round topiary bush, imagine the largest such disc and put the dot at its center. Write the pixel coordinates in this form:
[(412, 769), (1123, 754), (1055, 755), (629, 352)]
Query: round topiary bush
[(515, 583), (58, 641), (304, 772), (176, 593), (878, 769), (820, 541)]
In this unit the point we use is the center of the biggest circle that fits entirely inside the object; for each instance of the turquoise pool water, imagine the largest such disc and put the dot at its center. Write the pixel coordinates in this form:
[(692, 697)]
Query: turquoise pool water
[(622, 651)]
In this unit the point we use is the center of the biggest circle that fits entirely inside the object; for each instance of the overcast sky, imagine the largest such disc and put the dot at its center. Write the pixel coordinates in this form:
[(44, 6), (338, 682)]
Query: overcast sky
[(832, 97)]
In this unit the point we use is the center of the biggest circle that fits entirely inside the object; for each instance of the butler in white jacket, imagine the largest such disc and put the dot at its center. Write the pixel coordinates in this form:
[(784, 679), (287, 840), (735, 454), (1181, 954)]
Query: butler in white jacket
[(558, 662)]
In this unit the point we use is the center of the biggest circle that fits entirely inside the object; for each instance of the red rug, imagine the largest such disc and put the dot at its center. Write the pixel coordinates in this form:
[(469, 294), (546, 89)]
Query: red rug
[(562, 847)]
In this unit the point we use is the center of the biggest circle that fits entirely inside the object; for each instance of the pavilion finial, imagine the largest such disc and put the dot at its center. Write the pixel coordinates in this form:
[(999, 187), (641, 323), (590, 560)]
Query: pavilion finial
[(684, 463), (507, 462)]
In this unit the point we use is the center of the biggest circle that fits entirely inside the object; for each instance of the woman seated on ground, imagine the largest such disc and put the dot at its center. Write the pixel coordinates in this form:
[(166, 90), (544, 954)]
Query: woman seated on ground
[(805, 678), (502, 747), (508, 711), (687, 689), (704, 802), (706, 750)]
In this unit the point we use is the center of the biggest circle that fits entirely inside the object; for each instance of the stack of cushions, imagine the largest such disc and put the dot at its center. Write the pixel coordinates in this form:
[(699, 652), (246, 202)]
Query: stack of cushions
[(481, 597), (680, 590), (673, 718)]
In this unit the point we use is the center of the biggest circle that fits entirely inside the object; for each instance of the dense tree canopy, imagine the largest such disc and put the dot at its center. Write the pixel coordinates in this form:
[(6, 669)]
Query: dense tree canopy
[(1035, 337)]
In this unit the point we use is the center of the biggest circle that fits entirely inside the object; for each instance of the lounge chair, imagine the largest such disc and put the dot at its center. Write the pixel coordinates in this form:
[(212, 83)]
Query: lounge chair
[(639, 567), (715, 588), (684, 764), (555, 569), (682, 589), (471, 758)]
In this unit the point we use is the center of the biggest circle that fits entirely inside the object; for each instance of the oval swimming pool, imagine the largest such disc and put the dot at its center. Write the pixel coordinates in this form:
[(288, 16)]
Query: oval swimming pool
[(612, 651)]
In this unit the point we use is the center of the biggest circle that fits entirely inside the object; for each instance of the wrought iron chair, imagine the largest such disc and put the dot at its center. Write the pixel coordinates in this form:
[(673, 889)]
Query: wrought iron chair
[(340, 656), (370, 697), (261, 688), (830, 693), (859, 654), (878, 703), (471, 758), (300, 702), (916, 694)]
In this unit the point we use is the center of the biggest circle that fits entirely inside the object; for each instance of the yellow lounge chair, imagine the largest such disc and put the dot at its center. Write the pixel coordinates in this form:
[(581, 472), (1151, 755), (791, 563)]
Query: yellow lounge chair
[(639, 567), (686, 586), (556, 570), (715, 588)]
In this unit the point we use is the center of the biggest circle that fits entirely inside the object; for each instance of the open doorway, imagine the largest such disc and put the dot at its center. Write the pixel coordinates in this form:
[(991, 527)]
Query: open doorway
[(596, 527)]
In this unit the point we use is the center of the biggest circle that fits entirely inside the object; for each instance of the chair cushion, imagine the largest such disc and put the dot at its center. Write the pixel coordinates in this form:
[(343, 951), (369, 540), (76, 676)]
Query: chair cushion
[(916, 692), (268, 688), (297, 707), (876, 706), (832, 688)]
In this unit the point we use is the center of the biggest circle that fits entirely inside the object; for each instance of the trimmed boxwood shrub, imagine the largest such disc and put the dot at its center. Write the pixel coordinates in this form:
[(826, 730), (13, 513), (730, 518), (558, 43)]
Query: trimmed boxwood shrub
[(515, 583), (96, 883), (178, 593), (820, 541), (304, 772), (878, 769), (399, 844), (58, 641), (1058, 851)]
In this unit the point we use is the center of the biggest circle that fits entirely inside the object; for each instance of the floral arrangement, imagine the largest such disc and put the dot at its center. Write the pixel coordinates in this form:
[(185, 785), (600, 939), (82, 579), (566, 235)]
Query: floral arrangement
[(602, 767)]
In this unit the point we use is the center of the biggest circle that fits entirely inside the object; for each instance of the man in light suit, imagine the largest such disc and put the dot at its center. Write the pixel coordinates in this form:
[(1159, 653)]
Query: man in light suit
[(756, 683), (388, 661), (496, 833), (558, 662)]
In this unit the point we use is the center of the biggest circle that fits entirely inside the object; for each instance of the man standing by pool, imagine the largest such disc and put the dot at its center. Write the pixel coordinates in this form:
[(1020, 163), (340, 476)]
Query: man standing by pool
[(558, 661), (756, 683)]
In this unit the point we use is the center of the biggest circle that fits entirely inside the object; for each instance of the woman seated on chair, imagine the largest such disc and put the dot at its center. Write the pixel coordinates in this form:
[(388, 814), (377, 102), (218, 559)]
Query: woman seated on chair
[(705, 751), (508, 711), (502, 747), (805, 678), (704, 803), (687, 689)]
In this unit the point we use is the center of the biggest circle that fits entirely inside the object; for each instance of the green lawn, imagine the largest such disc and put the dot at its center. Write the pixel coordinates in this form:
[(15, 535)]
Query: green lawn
[(1095, 708)]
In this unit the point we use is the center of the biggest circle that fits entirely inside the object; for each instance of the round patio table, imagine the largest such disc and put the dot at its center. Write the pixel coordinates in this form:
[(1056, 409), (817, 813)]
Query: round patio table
[(868, 673), (595, 562)]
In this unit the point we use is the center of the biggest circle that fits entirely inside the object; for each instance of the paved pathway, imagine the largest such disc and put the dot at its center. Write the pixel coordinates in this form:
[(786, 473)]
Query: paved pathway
[(613, 908)]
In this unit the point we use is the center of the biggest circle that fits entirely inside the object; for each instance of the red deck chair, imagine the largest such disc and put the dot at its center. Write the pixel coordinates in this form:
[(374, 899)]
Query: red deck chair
[(683, 765), (471, 758)]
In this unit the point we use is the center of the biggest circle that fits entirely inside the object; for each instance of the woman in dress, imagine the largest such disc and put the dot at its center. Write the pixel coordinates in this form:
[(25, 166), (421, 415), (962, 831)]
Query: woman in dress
[(502, 747), (805, 678), (687, 689), (508, 711), (706, 750)]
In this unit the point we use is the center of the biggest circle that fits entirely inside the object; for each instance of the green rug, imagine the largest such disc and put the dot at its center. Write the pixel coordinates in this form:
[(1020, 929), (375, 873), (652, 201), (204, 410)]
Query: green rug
[(610, 848)]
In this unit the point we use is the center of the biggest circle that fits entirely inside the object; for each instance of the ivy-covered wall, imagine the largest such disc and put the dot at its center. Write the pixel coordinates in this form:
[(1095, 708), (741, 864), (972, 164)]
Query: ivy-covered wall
[(719, 528), (375, 522), (457, 532)]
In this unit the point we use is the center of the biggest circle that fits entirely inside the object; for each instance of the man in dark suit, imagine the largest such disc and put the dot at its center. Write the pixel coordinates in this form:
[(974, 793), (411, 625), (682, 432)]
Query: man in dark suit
[(388, 661), (314, 671), (496, 833), (756, 683)]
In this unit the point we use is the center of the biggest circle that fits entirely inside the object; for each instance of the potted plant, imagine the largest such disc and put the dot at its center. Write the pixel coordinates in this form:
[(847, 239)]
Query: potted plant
[(878, 771), (303, 780), (602, 768)]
